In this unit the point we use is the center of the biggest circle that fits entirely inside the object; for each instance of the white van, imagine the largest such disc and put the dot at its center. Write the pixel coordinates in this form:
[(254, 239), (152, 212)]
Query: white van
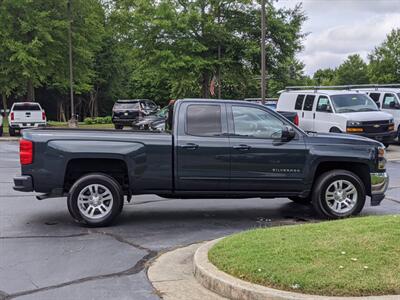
[(388, 100), (339, 111)]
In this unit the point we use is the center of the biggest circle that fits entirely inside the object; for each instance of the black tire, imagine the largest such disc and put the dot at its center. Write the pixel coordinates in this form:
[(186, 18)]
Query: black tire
[(1, 130), (322, 184), (104, 181), (386, 145), (11, 131), (118, 127), (335, 130), (300, 200)]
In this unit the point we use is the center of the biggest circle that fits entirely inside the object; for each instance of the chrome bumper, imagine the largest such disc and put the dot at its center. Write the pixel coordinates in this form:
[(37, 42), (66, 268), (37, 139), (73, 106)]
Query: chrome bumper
[(379, 185)]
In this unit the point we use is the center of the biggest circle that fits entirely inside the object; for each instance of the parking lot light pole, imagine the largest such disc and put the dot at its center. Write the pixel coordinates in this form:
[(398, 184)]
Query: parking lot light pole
[(73, 122), (263, 67)]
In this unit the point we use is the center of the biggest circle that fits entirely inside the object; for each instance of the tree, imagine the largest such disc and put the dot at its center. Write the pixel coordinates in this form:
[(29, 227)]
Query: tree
[(352, 71), (384, 61), (324, 76), (30, 33)]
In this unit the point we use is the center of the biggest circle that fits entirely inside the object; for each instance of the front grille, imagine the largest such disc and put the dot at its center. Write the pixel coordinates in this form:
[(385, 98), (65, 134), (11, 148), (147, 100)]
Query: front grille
[(373, 129), (383, 122)]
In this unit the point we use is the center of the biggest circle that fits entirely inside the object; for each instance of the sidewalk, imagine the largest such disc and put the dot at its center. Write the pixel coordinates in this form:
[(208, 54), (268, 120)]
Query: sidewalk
[(171, 274)]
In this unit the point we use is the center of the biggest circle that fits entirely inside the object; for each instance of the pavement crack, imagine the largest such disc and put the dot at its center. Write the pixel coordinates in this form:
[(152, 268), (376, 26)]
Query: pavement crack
[(43, 236), (394, 200), (122, 240), (138, 267)]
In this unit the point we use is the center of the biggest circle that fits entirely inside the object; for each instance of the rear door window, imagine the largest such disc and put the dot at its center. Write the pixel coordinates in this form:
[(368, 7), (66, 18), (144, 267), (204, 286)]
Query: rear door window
[(26, 106), (309, 102), (299, 102), (203, 120)]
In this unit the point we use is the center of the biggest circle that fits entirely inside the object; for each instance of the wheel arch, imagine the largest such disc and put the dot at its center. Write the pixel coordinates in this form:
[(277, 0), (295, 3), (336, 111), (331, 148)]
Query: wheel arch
[(360, 169), (115, 168)]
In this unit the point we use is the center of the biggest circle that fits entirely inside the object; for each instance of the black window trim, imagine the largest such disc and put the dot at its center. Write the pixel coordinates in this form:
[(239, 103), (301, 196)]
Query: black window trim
[(222, 135), (330, 104), (302, 102), (313, 101), (383, 99)]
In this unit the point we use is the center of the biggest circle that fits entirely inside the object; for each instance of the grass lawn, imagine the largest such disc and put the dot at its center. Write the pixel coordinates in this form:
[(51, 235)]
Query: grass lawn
[(352, 257), (55, 124)]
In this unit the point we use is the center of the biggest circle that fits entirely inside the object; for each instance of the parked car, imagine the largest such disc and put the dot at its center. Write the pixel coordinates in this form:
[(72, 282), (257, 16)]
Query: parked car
[(145, 123), (216, 149), (25, 115), (339, 112), (272, 104), (388, 100), (125, 112)]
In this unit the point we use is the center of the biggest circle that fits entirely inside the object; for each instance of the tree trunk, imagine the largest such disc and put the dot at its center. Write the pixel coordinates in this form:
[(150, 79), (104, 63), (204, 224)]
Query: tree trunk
[(4, 98), (93, 105), (205, 91), (31, 91)]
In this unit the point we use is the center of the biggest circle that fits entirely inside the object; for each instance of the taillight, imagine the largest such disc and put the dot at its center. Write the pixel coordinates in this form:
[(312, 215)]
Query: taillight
[(12, 116), (43, 115), (25, 152), (296, 120)]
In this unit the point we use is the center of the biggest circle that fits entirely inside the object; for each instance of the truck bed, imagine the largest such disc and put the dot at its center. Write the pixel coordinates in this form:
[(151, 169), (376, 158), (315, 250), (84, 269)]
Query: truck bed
[(147, 156)]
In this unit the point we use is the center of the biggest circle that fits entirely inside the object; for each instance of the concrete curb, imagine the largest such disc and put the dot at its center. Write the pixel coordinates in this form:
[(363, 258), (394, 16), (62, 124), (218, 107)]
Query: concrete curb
[(233, 288)]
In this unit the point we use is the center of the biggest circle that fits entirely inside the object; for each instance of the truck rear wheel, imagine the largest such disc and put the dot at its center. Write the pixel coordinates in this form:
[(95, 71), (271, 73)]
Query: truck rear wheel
[(95, 200), (338, 194)]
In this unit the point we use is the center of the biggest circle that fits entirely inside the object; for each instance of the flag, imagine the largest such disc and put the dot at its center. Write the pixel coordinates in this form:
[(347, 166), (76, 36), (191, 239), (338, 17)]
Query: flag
[(212, 86)]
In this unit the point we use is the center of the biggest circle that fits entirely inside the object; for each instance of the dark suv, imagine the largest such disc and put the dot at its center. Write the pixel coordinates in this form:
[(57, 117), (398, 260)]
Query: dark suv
[(126, 111)]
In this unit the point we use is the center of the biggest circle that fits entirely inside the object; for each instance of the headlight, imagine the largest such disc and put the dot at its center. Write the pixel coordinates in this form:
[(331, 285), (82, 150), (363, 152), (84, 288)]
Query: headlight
[(353, 123), (381, 158)]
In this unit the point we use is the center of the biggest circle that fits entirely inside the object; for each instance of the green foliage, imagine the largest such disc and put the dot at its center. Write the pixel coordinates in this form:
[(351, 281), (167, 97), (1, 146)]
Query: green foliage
[(384, 64), (352, 71), (98, 120)]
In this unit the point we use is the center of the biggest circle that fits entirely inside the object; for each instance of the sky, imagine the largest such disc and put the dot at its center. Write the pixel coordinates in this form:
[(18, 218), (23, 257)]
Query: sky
[(338, 28)]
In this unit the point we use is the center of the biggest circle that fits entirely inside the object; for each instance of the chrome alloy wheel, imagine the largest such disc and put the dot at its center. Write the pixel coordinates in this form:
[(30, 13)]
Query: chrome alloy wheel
[(341, 196), (95, 201)]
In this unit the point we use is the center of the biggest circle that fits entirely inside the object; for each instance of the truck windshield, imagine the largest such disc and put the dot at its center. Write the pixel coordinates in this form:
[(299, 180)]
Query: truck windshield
[(353, 103)]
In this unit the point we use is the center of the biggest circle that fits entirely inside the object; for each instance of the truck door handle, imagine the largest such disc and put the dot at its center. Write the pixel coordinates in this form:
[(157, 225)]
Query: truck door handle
[(242, 147), (190, 146), (302, 114), (314, 116)]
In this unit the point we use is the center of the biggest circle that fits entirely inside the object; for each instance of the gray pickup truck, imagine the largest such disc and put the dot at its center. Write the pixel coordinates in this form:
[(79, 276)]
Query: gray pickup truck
[(211, 149)]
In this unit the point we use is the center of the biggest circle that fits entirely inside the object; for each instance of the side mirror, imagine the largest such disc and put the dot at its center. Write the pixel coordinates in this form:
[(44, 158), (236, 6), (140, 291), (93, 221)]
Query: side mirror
[(326, 108), (288, 133)]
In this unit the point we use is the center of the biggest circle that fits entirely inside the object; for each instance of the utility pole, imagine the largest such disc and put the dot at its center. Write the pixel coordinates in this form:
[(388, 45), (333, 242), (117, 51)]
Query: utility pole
[(73, 122), (263, 67), (219, 55)]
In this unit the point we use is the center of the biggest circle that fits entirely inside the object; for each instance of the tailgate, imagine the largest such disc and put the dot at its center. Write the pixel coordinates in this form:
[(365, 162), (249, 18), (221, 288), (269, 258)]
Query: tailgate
[(28, 116)]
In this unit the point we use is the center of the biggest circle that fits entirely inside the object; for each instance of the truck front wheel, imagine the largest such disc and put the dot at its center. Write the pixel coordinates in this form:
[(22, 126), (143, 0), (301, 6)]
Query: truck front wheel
[(95, 200), (338, 194)]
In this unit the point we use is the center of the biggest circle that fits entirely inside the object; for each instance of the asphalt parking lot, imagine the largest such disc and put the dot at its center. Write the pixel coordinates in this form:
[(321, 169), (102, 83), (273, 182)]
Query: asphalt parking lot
[(45, 255)]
